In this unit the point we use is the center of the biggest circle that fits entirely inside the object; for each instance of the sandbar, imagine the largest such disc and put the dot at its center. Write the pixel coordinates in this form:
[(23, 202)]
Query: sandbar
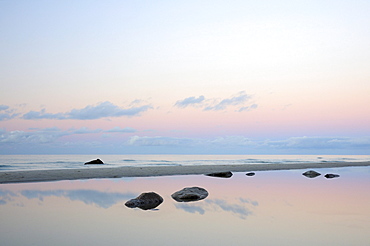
[(148, 171)]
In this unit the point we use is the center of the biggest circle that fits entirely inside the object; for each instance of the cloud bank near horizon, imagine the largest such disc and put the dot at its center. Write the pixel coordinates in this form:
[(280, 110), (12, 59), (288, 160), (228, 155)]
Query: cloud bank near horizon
[(54, 137)]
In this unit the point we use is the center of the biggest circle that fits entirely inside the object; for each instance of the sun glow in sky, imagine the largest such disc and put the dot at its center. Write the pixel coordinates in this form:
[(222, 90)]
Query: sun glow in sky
[(238, 77)]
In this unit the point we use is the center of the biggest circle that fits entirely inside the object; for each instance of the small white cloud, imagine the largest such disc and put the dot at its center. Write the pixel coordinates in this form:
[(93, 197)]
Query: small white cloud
[(240, 99), (90, 112), (217, 104), (104, 109), (7, 113), (34, 115), (190, 101), (248, 108)]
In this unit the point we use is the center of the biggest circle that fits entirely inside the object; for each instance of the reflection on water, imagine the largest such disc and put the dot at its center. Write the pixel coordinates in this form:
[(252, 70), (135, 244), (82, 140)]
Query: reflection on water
[(98, 198), (240, 207), (272, 208)]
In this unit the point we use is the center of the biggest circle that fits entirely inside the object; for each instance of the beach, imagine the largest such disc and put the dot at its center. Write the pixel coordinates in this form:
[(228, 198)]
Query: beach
[(148, 171)]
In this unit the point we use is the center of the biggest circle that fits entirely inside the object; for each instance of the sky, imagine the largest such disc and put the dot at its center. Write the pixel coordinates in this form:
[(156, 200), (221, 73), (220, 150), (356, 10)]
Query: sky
[(189, 77)]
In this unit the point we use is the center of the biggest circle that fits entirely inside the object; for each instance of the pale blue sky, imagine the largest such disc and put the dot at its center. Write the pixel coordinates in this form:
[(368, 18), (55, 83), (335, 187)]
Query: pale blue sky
[(252, 75)]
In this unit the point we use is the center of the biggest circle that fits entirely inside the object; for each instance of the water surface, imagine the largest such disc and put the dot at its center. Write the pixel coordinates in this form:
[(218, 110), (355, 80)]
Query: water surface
[(270, 208)]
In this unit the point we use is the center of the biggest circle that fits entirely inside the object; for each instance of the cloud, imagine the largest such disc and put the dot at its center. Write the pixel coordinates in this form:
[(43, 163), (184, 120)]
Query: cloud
[(122, 130), (33, 137), (243, 144), (86, 130), (237, 101), (232, 141), (89, 197), (248, 108), (319, 143), (3, 107), (240, 99), (7, 113), (105, 109), (190, 101), (159, 141), (90, 112), (176, 141), (34, 115), (48, 135), (52, 139)]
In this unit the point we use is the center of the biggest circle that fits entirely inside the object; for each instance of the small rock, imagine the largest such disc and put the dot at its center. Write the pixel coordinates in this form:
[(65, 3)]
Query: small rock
[(190, 194), (250, 174), (221, 174), (145, 201), (330, 176), (97, 161), (311, 174)]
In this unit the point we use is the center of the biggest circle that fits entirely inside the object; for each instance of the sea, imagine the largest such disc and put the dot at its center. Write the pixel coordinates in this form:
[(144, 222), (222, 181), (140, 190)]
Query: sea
[(45, 162)]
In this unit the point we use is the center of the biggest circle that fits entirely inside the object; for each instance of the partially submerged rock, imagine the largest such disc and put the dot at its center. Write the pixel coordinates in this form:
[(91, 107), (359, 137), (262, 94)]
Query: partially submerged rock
[(221, 174), (145, 201), (190, 194), (330, 176), (311, 174), (250, 174), (97, 161)]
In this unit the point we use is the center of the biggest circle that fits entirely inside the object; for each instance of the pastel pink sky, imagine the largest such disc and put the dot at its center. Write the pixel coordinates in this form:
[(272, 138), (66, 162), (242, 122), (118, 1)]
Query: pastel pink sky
[(160, 77)]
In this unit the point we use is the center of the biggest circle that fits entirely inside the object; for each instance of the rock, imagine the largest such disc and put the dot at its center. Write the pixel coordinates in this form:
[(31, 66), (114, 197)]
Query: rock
[(221, 175), (145, 201), (311, 174), (250, 174), (97, 161), (330, 176), (190, 194)]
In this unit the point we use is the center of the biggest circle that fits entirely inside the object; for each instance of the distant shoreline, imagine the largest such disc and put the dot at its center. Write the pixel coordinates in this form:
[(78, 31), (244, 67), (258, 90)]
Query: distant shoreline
[(151, 171)]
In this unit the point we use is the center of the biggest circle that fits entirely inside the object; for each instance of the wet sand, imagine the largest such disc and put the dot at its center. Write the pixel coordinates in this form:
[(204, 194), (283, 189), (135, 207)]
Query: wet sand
[(147, 171)]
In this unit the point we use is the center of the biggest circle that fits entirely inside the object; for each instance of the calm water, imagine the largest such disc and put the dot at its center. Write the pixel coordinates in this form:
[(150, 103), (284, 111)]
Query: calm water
[(30, 162), (270, 208)]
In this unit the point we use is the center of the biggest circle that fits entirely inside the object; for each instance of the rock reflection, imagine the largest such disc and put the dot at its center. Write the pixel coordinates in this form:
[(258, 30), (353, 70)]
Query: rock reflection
[(221, 175)]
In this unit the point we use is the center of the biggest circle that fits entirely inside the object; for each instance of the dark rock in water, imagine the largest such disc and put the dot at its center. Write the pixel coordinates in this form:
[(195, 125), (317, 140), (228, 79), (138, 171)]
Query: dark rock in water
[(190, 194), (221, 175), (330, 176), (311, 174), (145, 201), (97, 161), (250, 174)]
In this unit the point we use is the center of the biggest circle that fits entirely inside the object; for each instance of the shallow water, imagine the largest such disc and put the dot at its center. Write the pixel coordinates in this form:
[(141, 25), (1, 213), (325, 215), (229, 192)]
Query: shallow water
[(270, 208), (41, 162)]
